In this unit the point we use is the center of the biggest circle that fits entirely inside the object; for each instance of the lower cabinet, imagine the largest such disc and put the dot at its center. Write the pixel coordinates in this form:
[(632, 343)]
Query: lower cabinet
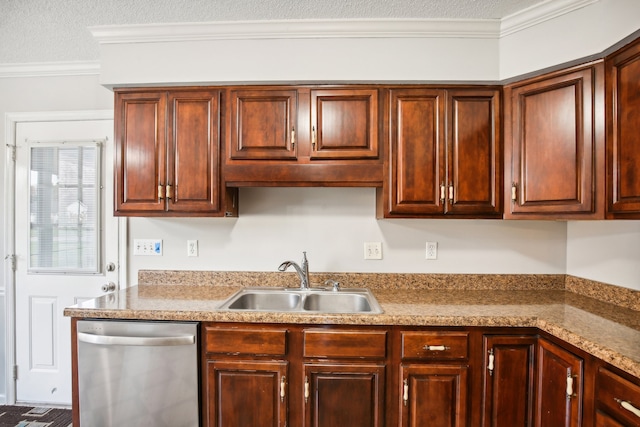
[(508, 380), (344, 395), (247, 393), (257, 375), (434, 395), (559, 387)]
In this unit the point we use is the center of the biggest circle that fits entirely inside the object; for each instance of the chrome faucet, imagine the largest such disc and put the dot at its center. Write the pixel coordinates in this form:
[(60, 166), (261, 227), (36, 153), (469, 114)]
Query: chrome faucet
[(303, 272)]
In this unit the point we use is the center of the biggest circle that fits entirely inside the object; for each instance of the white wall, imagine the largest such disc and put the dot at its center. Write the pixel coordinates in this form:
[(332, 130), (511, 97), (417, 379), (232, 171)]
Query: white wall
[(581, 33), (607, 251), (331, 224)]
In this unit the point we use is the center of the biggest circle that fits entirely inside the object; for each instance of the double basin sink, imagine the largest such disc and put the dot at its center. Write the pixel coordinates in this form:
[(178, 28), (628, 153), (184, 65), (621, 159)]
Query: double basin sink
[(299, 300)]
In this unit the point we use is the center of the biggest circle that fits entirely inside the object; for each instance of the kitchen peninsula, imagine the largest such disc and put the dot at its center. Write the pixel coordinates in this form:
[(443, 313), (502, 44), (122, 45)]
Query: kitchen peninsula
[(474, 328)]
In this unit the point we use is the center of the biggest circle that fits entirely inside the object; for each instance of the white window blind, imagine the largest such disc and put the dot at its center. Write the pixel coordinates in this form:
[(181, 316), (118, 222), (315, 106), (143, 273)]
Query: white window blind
[(64, 208)]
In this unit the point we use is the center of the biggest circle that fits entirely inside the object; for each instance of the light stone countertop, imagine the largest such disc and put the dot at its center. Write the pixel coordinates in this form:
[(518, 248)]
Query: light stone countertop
[(606, 330)]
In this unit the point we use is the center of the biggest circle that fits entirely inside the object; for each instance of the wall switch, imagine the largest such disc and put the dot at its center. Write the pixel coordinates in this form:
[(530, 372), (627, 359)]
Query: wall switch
[(432, 250), (147, 247), (372, 250), (192, 248)]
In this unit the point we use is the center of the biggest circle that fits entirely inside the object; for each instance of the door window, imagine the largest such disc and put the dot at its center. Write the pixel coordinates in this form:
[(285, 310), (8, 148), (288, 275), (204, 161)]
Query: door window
[(64, 208)]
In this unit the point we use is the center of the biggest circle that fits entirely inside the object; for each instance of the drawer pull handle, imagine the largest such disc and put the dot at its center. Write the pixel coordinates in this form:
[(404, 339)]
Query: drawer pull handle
[(436, 347), (491, 359), (283, 383), (405, 392), (306, 389), (628, 406)]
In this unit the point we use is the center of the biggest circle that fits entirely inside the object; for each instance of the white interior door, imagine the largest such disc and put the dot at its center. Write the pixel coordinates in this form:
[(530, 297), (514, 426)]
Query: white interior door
[(66, 244)]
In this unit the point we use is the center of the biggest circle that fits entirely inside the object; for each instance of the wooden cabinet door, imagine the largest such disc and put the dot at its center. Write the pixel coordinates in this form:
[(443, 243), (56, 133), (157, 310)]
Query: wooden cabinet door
[(246, 393), (558, 387), (263, 124), (434, 395), (344, 124), (554, 145), (474, 153), (194, 147), (140, 157), (623, 137), (508, 381), (344, 395), (416, 155)]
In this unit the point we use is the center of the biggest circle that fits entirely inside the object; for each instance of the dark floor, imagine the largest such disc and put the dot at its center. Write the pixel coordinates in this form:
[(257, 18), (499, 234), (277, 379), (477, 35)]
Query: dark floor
[(28, 416)]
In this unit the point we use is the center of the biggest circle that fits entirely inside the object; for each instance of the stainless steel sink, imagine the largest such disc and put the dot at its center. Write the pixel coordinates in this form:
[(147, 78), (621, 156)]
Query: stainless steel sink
[(337, 302), (265, 301), (313, 300)]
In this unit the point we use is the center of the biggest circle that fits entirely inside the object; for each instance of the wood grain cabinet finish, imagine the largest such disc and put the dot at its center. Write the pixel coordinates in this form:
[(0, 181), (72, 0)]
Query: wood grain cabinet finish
[(617, 400), (559, 387), (434, 387), (444, 154), (339, 394), (303, 135), (623, 132), (167, 158), (554, 162), (508, 380)]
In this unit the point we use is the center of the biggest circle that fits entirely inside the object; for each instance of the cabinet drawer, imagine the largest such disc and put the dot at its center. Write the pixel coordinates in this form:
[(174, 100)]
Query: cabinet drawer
[(611, 391), (271, 342), (434, 345), (357, 344)]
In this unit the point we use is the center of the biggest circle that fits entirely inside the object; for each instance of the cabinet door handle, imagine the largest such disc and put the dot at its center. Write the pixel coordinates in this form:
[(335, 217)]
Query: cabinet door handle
[(306, 389), (442, 192), (570, 380), (405, 392), (160, 192), (293, 137), (169, 194), (313, 137), (436, 347), (491, 360), (451, 193), (283, 383), (514, 191), (628, 406)]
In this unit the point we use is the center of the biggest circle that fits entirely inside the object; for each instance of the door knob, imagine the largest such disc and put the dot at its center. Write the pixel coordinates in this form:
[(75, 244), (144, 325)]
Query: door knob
[(109, 287), (111, 267)]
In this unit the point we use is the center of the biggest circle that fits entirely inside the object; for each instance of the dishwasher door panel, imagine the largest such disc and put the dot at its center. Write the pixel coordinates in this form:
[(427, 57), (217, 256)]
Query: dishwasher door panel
[(137, 373)]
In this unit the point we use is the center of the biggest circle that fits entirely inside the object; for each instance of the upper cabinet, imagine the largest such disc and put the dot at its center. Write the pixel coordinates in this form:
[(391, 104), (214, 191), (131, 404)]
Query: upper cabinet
[(554, 145), (167, 154), (444, 154), (285, 135), (623, 132)]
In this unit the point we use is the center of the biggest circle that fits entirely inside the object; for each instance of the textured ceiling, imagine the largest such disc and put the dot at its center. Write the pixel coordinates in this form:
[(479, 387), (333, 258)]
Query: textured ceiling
[(56, 30)]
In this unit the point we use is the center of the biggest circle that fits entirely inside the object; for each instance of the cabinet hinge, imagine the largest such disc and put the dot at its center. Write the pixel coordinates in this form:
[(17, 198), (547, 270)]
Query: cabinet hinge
[(12, 150), (13, 259)]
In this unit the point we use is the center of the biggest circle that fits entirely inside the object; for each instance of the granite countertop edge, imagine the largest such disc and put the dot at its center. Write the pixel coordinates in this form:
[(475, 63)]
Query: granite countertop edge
[(142, 303)]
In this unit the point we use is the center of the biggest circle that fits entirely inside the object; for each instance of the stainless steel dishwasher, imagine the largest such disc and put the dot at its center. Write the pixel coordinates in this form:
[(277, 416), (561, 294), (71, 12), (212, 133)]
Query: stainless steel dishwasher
[(137, 374)]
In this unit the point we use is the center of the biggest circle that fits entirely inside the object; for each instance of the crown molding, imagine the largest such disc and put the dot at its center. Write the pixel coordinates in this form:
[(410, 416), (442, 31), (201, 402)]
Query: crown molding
[(296, 29), (50, 69), (540, 13)]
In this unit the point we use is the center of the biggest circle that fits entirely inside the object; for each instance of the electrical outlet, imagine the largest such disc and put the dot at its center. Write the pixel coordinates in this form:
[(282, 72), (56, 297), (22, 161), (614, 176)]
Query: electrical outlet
[(432, 250), (372, 250), (192, 248), (151, 247)]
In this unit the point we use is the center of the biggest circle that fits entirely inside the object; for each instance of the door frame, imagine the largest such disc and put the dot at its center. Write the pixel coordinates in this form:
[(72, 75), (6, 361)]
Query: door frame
[(11, 121)]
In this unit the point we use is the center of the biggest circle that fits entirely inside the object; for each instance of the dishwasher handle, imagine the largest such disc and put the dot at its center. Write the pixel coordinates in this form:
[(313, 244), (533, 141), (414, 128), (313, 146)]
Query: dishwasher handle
[(136, 341)]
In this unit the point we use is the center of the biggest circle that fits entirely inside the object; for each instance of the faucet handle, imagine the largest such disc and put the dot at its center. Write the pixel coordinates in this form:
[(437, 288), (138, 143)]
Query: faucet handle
[(334, 283)]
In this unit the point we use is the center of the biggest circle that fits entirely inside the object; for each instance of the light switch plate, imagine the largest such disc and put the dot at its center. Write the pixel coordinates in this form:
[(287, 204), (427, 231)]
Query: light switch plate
[(372, 250), (147, 247)]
